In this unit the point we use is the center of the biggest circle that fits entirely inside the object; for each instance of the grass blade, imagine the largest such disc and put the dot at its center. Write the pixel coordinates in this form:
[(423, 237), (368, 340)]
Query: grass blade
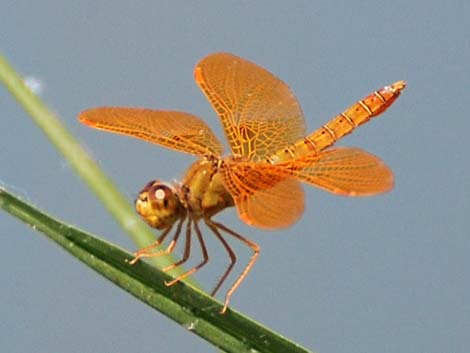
[(193, 309)]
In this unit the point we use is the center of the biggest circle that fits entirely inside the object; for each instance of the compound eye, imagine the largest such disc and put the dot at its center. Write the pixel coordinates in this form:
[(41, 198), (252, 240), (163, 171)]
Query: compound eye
[(163, 197), (158, 204)]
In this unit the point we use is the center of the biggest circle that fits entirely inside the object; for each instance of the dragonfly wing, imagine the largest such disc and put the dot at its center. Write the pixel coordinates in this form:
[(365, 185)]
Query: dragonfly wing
[(176, 130), (264, 198), (344, 170), (259, 113)]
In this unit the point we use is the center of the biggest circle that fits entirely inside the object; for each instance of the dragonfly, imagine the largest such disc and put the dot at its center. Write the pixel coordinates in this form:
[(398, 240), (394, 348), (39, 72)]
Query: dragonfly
[(271, 155)]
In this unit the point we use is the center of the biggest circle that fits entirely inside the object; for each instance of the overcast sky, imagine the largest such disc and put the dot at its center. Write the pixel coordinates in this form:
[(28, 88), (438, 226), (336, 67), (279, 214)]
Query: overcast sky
[(383, 274)]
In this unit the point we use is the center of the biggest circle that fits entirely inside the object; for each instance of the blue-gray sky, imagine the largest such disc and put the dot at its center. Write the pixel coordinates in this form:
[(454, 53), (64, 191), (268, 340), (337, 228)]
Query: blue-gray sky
[(383, 274)]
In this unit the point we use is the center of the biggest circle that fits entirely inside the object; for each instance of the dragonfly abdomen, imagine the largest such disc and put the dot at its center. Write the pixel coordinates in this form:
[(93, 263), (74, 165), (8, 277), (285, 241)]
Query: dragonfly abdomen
[(359, 113)]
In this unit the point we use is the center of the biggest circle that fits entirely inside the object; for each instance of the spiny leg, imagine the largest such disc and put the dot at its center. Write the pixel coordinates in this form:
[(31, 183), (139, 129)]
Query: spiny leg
[(149, 248), (205, 257), (231, 253), (248, 267), (143, 253), (187, 250)]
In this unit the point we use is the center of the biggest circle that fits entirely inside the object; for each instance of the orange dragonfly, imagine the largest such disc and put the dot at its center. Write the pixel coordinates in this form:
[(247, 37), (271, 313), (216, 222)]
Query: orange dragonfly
[(271, 155)]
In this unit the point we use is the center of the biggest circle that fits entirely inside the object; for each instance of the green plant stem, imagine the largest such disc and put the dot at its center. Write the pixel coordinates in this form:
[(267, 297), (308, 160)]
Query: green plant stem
[(79, 160), (193, 309)]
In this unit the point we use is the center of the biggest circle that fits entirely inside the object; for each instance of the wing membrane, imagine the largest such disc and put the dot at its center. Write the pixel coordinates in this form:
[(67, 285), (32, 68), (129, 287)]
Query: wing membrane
[(264, 198), (270, 196), (273, 208), (344, 170), (258, 111), (176, 130)]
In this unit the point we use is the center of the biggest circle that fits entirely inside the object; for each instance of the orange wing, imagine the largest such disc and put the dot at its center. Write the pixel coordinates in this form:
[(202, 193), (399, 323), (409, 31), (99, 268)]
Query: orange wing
[(268, 196), (259, 113), (277, 207), (176, 130), (264, 197), (345, 171)]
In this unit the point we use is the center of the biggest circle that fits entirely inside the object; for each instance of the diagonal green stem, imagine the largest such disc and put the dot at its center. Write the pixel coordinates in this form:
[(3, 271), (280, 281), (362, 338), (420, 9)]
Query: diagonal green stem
[(196, 311), (193, 309)]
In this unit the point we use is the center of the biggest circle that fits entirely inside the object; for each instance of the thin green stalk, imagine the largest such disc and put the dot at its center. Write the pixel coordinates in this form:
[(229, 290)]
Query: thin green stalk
[(79, 160)]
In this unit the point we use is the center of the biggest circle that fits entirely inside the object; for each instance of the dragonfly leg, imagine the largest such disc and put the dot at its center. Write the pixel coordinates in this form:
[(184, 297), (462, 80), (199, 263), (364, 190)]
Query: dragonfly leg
[(187, 250), (231, 253), (248, 267), (147, 251), (205, 258)]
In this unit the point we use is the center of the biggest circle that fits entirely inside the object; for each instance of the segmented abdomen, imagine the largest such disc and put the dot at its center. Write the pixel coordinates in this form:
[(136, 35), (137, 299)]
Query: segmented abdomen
[(359, 113)]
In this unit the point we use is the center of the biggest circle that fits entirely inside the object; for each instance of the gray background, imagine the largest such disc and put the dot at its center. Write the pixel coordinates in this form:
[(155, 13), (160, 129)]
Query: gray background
[(383, 274)]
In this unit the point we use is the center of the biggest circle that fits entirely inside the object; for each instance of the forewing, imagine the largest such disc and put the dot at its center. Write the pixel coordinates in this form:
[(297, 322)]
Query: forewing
[(264, 198), (259, 113), (176, 130), (344, 170)]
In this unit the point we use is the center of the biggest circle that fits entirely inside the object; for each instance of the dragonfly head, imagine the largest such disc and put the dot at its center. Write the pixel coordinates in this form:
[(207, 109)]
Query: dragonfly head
[(158, 204)]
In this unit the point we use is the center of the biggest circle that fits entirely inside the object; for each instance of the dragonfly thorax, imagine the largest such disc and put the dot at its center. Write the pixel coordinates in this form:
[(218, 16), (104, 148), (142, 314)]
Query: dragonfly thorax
[(201, 194), (203, 189)]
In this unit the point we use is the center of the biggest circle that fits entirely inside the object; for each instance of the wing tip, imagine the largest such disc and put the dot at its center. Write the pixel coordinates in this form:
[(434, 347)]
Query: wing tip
[(94, 116), (83, 117), (86, 116), (198, 74)]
